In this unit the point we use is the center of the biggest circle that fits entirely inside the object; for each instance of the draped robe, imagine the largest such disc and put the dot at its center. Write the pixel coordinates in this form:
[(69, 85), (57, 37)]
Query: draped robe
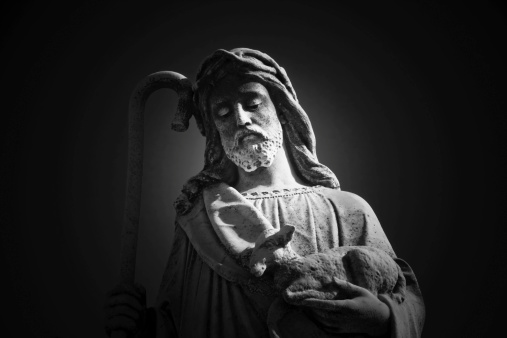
[(205, 290)]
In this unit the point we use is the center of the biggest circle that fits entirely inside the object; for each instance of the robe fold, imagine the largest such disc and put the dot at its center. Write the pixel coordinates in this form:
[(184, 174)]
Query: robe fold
[(207, 292)]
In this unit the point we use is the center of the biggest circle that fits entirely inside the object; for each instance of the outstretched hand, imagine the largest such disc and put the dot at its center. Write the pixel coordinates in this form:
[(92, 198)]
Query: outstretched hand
[(360, 311)]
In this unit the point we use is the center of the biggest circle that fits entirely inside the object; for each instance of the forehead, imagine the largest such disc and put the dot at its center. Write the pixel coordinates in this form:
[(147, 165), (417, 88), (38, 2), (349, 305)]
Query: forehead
[(233, 88)]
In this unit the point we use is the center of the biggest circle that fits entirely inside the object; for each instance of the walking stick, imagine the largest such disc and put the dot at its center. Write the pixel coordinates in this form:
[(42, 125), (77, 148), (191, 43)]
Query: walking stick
[(151, 83)]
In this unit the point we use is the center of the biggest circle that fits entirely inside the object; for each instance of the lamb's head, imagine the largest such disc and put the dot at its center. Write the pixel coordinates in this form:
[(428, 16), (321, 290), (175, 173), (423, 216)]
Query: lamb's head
[(271, 247)]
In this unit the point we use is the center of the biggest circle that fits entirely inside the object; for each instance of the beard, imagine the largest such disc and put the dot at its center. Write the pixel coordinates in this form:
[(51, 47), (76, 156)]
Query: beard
[(248, 156)]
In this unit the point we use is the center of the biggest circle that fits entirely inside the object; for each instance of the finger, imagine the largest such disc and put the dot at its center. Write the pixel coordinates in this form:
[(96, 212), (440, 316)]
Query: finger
[(294, 297), (335, 323), (345, 305), (329, 318), (124, 299), (332, 325)]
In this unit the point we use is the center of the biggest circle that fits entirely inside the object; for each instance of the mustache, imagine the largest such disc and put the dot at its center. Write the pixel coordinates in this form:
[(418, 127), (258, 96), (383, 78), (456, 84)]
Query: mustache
[(253, 130)]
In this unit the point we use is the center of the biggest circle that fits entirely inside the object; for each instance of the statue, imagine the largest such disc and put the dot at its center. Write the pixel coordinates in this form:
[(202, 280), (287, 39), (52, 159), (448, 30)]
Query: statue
[(266, 244)]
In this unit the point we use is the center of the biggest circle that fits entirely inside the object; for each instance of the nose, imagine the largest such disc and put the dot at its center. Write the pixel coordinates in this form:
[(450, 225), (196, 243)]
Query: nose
[(242, 116), (258, 269)]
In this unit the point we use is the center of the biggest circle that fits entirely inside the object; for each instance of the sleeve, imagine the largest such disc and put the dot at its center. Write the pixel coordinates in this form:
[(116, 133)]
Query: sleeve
[(407, 318), (358, 226), (357, 223), (195, 301), (161, 320)]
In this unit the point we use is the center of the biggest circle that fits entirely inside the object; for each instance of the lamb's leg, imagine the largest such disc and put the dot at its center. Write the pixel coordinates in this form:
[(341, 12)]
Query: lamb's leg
[(376, 272), (400, 287), (358, 266)]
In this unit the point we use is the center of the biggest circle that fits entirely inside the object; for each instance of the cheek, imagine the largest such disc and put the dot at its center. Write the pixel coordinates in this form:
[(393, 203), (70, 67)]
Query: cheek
[(225, 131), (271, 118), (272, 124), (265, 120)]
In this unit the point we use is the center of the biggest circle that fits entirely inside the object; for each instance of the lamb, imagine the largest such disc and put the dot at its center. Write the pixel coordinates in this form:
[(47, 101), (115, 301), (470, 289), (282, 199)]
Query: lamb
[(299, 277)]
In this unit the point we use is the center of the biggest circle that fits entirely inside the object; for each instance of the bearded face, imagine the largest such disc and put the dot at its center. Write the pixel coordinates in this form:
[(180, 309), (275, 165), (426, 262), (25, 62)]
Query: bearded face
[(248, 153), (247, 122)]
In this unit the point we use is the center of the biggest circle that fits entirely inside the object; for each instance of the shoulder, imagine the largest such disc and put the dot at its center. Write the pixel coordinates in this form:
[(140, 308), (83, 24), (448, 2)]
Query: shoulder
[(358, 224), (344, 200), (196, 212)]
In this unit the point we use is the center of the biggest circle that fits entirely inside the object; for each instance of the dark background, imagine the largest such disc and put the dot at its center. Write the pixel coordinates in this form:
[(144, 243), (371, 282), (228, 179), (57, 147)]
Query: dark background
[(406, 100)]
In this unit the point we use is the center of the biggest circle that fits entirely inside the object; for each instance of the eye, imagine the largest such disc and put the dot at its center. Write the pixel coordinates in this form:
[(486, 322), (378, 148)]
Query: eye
[(222, 112), (268, 245), (253, 104)]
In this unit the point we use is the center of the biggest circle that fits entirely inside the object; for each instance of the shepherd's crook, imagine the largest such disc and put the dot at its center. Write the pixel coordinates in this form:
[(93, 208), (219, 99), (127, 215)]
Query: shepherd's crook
[(144, 89)]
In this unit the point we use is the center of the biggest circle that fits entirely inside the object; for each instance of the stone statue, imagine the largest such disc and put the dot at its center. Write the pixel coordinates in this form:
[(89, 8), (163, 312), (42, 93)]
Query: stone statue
[(261, 188)]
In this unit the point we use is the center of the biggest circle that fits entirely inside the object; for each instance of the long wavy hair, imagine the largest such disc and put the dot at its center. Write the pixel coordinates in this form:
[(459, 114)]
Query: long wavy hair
[(298, 133)]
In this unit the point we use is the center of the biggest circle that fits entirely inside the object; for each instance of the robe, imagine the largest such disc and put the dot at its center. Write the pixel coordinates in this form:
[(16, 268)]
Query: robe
[(207, 292)]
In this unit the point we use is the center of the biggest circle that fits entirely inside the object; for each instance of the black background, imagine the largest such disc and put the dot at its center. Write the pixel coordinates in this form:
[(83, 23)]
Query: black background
[(406, 100)]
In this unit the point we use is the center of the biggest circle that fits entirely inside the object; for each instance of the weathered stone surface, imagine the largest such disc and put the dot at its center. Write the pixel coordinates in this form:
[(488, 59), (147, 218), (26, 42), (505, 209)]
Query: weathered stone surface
[(206, 291), (311, 276)]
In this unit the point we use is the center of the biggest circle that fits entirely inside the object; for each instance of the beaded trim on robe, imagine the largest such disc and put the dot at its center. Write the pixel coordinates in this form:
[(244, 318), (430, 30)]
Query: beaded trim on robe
[(282, 192)]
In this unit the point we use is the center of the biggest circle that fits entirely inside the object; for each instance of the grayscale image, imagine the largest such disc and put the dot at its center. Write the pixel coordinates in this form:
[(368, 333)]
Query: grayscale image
[(253, 169)]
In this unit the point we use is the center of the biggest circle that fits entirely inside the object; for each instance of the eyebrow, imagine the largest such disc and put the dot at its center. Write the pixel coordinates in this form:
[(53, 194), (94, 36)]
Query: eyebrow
[(250, 94)]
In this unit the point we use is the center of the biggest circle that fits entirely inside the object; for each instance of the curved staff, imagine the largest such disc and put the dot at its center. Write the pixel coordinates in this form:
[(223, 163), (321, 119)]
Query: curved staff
[(151, 83)]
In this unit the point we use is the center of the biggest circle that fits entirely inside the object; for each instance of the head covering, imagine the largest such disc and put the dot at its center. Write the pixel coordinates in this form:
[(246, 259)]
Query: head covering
[(258, 67)]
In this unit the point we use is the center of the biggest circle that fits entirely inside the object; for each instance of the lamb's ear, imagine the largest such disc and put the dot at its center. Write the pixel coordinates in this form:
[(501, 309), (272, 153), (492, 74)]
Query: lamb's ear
[(286, 232)]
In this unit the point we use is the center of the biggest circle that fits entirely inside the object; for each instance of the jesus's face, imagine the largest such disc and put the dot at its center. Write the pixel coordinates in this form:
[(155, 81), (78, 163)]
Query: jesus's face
[(247, 122)]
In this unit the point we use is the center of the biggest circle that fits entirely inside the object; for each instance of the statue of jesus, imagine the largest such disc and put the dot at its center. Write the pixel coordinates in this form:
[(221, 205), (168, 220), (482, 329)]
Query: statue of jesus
[(261, 172)]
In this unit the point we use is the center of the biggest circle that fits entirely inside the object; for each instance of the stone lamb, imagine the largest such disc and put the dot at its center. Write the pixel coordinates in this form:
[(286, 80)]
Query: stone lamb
[(301, 277)]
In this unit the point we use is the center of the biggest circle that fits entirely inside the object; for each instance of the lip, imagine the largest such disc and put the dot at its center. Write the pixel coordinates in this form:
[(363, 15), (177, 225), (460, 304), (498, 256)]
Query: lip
[(249, 136)]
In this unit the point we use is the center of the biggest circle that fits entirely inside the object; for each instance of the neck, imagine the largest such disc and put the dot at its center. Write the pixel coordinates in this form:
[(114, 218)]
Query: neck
[(279, 175)]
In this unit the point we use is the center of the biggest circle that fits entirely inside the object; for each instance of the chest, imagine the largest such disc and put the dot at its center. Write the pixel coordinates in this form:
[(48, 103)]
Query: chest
[(312, 215)]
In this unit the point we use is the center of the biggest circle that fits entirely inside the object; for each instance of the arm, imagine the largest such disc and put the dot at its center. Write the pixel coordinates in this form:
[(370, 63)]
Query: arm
[(165, 312), (360, 226), (407, 318), (126, 304), (361, 311), (357, 311)]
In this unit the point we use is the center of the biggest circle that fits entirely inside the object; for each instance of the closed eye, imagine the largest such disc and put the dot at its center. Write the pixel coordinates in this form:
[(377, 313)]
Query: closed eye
[(254, 104), (223, 111), (268, 245)]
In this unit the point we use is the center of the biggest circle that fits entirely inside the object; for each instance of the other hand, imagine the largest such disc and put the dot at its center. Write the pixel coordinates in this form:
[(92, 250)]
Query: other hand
[(360, 312), (125, 309)]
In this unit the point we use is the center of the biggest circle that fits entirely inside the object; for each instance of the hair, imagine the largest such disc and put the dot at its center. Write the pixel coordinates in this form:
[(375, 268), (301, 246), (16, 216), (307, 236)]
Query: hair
[(298, 133)]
